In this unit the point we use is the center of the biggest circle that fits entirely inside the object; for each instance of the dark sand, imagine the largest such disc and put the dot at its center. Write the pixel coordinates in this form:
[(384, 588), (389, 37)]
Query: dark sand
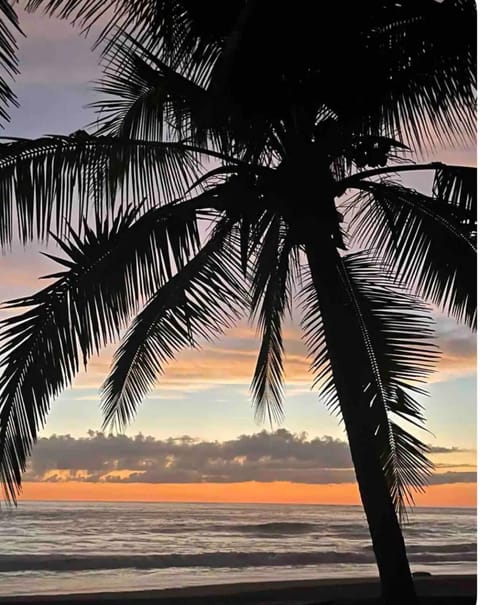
[(433, 590)]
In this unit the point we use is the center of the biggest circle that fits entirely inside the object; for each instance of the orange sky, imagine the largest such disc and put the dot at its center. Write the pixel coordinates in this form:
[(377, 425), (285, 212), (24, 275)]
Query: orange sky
[(282, 492)]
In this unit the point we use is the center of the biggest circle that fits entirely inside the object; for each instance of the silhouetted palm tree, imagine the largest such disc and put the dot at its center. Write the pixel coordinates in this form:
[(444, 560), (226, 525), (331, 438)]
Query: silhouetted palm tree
[(289, 131)]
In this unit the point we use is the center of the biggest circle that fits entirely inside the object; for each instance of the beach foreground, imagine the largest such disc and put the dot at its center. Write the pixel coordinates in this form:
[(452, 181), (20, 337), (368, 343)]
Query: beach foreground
[(444, 590)]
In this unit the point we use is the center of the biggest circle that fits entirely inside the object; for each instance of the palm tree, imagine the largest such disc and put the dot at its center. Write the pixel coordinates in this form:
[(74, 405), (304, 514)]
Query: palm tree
[(287, 144)]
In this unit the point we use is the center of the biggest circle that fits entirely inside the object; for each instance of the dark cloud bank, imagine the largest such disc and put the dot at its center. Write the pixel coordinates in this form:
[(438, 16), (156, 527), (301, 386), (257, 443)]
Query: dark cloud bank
[(264, 456)]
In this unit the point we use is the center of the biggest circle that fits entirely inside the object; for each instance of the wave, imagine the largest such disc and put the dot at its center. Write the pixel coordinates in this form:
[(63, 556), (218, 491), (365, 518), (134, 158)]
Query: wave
[(273, 528), (278, 527), (213, 560), (464, 547), (446, 548)]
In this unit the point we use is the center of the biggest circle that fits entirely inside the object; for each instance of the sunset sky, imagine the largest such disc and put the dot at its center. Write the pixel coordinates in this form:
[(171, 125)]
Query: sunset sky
[(200, 422)]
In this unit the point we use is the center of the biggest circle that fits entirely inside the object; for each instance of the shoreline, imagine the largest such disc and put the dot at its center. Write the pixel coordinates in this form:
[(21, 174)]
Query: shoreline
[(441, 588)]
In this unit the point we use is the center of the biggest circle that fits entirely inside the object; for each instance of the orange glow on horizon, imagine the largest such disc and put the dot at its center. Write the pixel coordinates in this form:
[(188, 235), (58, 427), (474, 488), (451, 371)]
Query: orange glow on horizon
[(281, 492)]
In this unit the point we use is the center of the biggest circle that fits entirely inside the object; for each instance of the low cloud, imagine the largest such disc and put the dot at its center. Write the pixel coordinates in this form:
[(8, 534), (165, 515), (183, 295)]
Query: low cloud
[(459, 350), (434, 449), (263, 457), (453, 477), (232, 360)]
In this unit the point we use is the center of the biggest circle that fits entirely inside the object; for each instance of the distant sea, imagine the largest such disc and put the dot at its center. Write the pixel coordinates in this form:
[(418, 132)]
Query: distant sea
[(60, 547)]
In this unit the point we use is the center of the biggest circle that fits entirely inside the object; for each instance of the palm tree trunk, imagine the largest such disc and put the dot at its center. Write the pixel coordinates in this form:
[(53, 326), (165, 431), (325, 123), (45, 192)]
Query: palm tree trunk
[(341, 327)]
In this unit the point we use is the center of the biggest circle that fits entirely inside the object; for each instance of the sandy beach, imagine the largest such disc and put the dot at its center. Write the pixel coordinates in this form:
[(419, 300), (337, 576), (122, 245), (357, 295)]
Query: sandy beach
[(445, 590)]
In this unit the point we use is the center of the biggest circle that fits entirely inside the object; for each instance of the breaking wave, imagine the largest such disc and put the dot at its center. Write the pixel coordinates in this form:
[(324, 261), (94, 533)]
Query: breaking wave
[(273, 528), (213, 560)]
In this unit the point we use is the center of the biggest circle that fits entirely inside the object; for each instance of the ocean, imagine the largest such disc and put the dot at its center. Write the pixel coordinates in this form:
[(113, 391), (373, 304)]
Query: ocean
[(68, 547)]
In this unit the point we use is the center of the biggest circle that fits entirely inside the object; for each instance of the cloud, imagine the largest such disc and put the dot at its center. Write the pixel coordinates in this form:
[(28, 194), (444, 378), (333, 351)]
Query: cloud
[(453, 477), (231, 361), (262, 457), (462, 466), (437, 449), (459, 350)]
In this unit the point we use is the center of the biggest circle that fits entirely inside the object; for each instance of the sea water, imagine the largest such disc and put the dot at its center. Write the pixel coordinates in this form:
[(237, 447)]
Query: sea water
[(69, 547)]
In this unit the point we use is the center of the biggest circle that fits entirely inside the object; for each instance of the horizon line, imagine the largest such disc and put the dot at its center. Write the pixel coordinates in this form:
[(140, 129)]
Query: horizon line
[(193, 502)]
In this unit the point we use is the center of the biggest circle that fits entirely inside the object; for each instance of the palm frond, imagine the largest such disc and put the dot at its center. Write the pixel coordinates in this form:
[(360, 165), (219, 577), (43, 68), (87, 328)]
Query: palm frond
[(146, 98), (106, 276), (406, 464), (427, 241), (9, 27), (271, 294), (422, 56), (199, 302), (456, 186), (422, 80), (398, 333), (178, 26), (390, 351), (45, 183)]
